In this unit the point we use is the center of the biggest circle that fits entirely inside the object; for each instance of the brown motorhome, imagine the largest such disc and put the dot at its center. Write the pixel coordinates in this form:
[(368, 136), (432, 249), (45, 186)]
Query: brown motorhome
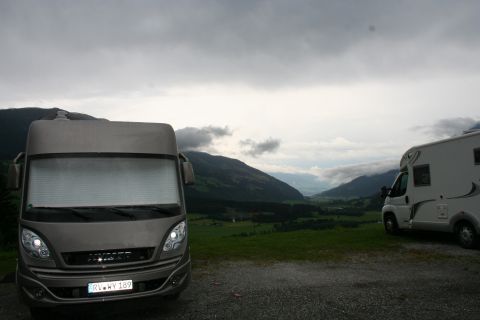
[(102, 213)]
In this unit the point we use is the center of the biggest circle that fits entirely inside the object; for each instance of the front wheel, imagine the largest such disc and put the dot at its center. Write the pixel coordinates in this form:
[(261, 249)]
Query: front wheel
[(390, 224), (466, 235)]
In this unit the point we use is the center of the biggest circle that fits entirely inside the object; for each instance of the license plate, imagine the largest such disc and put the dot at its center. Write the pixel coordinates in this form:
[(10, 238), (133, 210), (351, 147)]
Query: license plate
[(110, 286)]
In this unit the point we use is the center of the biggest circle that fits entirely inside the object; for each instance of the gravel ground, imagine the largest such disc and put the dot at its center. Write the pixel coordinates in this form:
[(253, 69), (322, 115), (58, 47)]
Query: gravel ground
[(391, 287)]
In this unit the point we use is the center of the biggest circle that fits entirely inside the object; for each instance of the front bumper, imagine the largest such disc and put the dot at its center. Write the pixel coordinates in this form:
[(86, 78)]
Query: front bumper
[(42, 287)]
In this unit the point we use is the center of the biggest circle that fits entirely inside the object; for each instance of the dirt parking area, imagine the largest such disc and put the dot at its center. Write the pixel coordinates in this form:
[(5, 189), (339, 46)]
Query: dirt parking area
[(403, 285)]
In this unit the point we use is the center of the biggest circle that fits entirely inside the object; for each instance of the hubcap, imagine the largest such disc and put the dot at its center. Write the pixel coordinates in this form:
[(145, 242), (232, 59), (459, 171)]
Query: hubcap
[(466, 234), (389, 224)]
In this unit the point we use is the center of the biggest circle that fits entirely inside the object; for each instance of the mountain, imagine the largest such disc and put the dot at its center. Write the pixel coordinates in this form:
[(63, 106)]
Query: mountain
[(217, 177), (14, 125), (230, 179), (364, 186), (307, 184)]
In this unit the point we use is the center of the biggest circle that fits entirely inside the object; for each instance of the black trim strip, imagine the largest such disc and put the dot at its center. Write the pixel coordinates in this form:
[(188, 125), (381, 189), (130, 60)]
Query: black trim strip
[(417, 206), (475, 191), (415, 157)]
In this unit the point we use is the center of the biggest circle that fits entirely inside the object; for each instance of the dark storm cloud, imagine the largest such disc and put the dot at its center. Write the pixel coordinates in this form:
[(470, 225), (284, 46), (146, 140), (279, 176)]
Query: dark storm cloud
[(446, 128), (258, 148), (191, 138), (64, 48)]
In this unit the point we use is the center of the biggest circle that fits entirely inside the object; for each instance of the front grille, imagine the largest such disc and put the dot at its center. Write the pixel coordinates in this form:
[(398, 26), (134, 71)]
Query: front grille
[(49, 273), (81, 292), (107, 256)]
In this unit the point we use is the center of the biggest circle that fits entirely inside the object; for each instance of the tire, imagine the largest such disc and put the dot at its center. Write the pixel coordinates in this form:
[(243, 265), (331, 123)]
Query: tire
[(40, 313), (390, 224), (466, 235)]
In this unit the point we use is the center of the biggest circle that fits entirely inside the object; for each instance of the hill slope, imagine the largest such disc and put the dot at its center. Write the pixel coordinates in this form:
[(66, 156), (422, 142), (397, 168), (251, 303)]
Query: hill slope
[(230, 179), (363, 186), (14, 125)]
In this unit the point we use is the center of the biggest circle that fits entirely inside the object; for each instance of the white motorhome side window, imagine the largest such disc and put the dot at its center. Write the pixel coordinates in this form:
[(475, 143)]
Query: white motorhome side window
[(421, 175)]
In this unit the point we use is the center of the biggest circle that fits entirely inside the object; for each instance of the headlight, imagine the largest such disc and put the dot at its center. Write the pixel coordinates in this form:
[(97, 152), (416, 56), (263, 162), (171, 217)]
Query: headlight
[(176, 236), (34, 245)]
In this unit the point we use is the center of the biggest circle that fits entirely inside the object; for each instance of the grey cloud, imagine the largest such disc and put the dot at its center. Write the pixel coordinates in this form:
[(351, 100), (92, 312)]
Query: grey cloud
[(475, 127), (218, 131), (63, 48), (446, 128), (258, 148), (191, 138), (343, 174)]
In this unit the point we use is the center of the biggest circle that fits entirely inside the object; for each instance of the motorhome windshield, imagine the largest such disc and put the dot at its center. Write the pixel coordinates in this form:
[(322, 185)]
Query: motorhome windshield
[(101, 188)]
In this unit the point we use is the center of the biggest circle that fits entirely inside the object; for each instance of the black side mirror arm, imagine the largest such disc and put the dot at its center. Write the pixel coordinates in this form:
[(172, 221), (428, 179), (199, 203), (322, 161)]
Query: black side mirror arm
[(384, 192)]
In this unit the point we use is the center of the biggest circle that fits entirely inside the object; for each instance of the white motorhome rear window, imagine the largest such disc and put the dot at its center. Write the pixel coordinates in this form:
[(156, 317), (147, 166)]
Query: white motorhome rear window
[(98, 181), (476, 155)]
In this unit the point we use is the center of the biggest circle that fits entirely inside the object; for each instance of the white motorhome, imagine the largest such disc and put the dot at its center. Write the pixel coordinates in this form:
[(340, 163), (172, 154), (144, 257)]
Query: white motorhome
[(438, 189)]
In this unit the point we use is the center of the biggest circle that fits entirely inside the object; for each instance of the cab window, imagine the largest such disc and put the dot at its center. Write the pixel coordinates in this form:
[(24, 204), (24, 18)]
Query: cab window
[(400, 187)]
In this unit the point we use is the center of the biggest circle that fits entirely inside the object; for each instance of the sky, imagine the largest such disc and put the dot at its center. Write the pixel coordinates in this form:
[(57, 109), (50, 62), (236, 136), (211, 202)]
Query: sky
[(335, 89)]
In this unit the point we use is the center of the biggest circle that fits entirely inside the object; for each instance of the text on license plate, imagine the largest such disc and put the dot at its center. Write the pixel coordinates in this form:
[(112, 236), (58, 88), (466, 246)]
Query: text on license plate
[(119, 285)]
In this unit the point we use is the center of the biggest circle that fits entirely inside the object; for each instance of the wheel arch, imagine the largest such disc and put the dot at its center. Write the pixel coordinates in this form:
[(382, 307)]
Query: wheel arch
[(387, 213), (462, 217)]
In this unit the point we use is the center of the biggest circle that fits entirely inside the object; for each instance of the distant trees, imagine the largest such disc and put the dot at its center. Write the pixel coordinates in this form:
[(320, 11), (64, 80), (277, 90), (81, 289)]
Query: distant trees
[(318, 224), (256, 211), (8, 216)]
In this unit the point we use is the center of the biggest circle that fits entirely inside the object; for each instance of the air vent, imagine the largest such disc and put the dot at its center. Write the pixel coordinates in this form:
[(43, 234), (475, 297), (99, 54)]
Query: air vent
[(107, 256)]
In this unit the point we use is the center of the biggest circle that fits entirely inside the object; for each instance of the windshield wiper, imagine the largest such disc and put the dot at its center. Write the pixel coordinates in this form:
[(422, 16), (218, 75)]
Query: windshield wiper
[(115, 210), (170, 210), (72, 210), (120, 212), (129, 212)]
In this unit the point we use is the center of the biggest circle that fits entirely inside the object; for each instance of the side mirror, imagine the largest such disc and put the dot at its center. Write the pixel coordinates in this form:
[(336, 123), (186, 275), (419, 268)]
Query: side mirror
[(14, 179), (14, 176), (384, 193), (188, 175)]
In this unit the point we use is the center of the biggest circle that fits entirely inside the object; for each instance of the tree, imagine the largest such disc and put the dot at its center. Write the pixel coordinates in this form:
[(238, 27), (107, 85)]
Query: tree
[(8, 216)]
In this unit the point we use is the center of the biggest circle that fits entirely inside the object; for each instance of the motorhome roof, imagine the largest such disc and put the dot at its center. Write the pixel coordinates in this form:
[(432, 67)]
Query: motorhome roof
[(426, 145), (98, 136)]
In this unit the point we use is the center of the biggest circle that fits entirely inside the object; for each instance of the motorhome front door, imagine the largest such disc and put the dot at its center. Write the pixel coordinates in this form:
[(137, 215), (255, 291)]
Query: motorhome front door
[(400, 200)]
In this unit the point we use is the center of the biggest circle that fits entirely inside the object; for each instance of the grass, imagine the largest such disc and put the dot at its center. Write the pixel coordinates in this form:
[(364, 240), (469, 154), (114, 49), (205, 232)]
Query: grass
[(368, 216), (210, 241), (8, 262)]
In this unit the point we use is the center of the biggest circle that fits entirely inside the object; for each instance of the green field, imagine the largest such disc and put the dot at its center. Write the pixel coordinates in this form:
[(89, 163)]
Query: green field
[(213, 240)]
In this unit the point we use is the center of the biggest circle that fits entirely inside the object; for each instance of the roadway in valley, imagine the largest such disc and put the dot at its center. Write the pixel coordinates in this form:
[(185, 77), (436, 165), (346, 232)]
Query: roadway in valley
[(415, 284)]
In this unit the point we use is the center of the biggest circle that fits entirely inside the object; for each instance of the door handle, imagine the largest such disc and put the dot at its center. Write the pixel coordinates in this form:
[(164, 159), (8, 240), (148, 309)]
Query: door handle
[(406, 200)]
